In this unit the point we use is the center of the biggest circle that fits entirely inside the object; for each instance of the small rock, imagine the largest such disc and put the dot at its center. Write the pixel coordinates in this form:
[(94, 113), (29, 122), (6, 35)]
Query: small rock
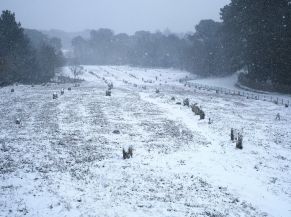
[(116, 132)]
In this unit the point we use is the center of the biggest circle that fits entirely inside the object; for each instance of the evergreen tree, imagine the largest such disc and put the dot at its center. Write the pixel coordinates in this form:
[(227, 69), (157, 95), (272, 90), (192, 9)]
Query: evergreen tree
[(24, 60), (17, 58), (258, 37)]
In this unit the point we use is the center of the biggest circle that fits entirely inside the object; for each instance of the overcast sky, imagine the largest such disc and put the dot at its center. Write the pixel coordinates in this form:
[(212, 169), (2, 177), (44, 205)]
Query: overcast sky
[(120, 15)]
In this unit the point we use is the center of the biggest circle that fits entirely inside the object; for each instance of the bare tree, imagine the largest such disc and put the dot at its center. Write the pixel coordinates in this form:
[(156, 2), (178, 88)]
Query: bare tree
[(76, 70)]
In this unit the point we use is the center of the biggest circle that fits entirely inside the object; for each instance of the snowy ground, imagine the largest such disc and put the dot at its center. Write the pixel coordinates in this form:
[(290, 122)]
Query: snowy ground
[(64, 160)]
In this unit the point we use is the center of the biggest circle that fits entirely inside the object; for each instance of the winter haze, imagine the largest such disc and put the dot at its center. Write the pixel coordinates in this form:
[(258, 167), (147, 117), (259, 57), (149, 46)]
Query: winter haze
[(145, 108), (119, 15)]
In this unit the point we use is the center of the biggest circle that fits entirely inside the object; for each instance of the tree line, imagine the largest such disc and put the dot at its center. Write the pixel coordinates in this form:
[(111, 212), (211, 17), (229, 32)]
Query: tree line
[(26, 56), (253, 37), (201, 53)]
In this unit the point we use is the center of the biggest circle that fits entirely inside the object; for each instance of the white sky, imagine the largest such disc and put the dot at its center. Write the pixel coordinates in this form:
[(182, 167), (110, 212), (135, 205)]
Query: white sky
[(120, 15)]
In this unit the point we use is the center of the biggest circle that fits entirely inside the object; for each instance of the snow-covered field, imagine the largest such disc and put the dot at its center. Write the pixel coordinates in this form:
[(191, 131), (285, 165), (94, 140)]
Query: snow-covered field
[(64, 159)]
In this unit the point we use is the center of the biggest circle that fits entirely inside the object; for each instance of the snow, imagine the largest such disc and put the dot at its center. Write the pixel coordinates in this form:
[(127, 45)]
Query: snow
[(64, 159), (228, 82), (231, 83)]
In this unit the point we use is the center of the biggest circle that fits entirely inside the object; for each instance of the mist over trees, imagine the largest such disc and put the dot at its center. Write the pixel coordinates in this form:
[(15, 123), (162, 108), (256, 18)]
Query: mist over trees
[(141, 49), (26, 56), (201, 52), (253, 37)]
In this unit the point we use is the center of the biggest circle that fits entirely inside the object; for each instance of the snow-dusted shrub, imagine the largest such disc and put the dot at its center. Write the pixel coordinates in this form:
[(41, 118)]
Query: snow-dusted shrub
[(286, 105), (178, 103), (130, 150), (62, 91), (110, 86), (232, 134), (186, 102), (12, 90), (198, 111), (157, 91), (108, 93), (4, 148), (127, 154), (55, 95), (173, 98), (201, 114), (69, 88), (239, 141)]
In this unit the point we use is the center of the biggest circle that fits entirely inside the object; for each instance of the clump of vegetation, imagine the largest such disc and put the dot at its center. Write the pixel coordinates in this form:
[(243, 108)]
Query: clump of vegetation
[(202, 115), (116, 132), (4, 148), (69, 89), (62, 91), (127, 154), (173, 98), (55, 95), (198, 111), (110, 86), (186, 102), (157, 91), (108, 93), (12, 90), (232, 134), (239, 141)]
